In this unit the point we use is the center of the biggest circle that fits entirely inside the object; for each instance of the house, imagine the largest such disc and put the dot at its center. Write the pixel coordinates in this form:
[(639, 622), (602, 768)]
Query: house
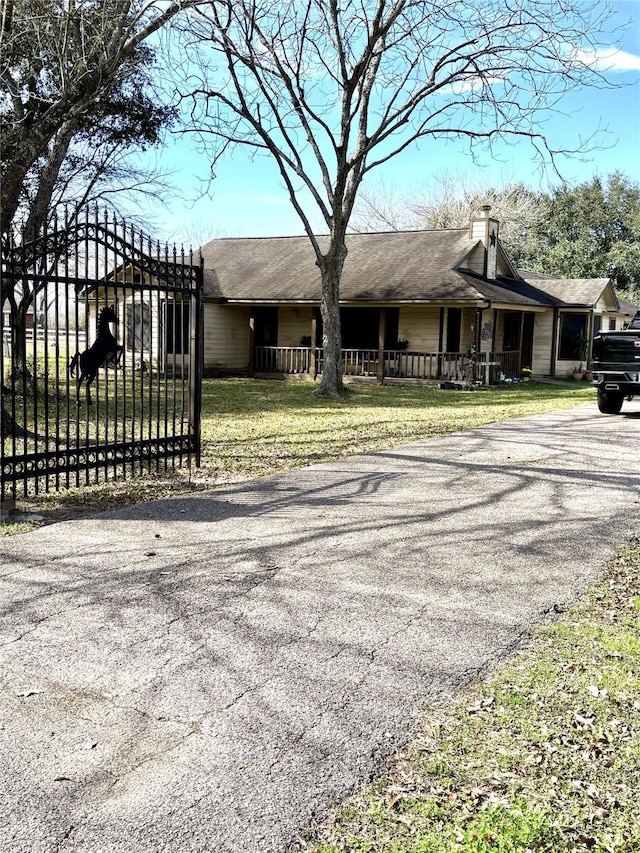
[(6, 316), (413, 304)]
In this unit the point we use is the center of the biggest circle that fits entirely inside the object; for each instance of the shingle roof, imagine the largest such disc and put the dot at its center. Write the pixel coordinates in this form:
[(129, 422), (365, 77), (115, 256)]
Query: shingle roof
[(392, 267), (628, 308), (568, 291), (389, 267), (515, 291)]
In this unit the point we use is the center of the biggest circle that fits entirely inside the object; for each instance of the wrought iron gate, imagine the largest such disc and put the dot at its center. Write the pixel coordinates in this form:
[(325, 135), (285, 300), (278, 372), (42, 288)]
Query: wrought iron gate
[(60, 294)]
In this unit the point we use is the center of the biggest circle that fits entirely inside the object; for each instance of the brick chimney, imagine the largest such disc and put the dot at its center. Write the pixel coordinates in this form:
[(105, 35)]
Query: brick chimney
[(486, 229)]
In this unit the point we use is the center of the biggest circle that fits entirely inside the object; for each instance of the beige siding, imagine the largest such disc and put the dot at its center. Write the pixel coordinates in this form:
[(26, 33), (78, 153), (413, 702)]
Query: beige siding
[(293, 324), (486, 331), (467, 329), (542, 343), (502, 266), (617, 318), (421, 327), (603, 304), (475, 260), (226, 337), (478, 229)]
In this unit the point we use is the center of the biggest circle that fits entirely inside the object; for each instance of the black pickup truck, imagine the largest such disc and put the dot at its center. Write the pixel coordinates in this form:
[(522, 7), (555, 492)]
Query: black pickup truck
[(616, 366)]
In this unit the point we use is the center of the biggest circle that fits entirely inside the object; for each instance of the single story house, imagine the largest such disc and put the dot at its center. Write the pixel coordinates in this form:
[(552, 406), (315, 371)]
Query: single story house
[(413, 305)]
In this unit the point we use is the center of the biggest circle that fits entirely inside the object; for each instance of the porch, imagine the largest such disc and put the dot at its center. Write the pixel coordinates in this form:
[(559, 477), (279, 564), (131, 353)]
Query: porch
[(387, 364)]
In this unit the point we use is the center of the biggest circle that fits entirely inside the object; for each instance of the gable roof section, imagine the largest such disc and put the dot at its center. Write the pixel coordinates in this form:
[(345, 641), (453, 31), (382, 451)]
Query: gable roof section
[(572, 291), (397, 266), (515, 291), (628, 308)]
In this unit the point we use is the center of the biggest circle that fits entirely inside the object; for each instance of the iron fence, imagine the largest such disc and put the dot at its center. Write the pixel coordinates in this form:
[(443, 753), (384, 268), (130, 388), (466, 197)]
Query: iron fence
[(73, 412)]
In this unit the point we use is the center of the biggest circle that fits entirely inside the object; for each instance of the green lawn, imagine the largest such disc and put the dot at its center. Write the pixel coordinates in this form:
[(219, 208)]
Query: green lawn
[(256, 427)]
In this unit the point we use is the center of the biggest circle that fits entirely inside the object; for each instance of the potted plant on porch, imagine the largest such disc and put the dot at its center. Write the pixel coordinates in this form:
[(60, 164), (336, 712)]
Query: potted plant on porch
[(578, 371)]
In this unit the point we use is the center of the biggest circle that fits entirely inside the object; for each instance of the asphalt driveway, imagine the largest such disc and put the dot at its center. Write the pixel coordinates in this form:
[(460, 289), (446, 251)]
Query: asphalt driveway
[(208, 673)]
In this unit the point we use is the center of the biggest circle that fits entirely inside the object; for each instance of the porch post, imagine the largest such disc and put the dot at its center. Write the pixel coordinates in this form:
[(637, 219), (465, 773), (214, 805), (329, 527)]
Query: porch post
[(252, 335), (520, 365), (440, 344), (554, 341), (313, 364), (382, 329), (589, 339)]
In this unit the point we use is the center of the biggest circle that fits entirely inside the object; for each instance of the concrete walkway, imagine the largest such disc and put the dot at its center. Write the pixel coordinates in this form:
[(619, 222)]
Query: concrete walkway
[(208, 673)]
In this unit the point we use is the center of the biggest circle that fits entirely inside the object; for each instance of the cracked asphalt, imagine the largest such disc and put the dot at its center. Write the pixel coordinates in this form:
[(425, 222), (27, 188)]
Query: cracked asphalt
[(214, 672)]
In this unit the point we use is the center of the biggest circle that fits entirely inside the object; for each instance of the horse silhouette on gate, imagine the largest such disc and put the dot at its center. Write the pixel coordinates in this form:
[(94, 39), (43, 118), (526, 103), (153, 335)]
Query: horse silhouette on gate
[(105, 350)]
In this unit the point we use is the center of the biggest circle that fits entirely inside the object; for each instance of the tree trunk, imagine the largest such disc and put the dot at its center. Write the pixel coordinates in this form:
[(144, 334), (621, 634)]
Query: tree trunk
[(18, 325), (9, 428), (331, 383)]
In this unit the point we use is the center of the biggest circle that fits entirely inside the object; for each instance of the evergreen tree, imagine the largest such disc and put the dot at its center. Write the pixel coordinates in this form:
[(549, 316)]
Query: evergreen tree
[(592, 231)]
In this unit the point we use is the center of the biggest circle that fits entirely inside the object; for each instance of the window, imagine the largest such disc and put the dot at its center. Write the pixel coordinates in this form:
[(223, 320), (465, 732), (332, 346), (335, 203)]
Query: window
[(572, 326), (138, 326), (454, 321), (612, 324), (512, 327), (177, 327), (266, 327)]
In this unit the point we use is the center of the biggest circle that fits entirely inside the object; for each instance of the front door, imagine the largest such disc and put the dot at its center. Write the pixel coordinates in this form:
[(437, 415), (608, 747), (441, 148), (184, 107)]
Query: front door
[(512, 327)]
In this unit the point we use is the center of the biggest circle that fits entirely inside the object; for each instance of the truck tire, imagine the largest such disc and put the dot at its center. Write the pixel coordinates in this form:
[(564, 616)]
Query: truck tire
[(610, 402)]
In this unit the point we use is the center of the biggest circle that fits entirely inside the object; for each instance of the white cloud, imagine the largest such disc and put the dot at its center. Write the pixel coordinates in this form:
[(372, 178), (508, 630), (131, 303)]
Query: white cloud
[(472, 83), (608, 59)]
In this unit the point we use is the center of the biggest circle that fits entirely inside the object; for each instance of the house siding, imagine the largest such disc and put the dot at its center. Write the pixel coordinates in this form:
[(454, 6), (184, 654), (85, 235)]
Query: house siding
[(542, 343), (475, 260), (293, 324), (467, 329), (421, 327), (226, 339), (487, 321)]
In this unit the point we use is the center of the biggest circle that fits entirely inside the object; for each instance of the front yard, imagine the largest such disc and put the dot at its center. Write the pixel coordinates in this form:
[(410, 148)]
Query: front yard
[(251, 428)]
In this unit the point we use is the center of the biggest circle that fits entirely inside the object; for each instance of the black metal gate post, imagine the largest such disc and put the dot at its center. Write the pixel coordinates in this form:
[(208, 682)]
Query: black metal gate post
[(196, 366), (100, 356)]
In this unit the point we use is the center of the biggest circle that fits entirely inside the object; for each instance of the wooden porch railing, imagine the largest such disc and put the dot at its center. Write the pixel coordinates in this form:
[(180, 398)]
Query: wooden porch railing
[(289, 360), (396, 363), (425, 365)]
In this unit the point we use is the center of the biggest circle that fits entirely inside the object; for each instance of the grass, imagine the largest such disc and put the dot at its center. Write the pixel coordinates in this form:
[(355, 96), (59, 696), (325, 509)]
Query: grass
[(256, 427), (543, 756)]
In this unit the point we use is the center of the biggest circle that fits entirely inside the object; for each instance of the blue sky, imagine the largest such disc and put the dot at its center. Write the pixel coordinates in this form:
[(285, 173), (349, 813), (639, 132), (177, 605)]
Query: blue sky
[(247, 197)]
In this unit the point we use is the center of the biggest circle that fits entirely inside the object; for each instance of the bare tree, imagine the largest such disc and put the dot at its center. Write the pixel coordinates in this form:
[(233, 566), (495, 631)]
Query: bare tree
[(69, 71), (75, 94), (332, 89), (384, 208), (450, 200)]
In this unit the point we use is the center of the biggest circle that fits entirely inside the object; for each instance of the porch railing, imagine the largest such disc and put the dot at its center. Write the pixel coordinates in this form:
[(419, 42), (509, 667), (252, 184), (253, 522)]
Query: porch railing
[(490, 367), (281, 359)]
